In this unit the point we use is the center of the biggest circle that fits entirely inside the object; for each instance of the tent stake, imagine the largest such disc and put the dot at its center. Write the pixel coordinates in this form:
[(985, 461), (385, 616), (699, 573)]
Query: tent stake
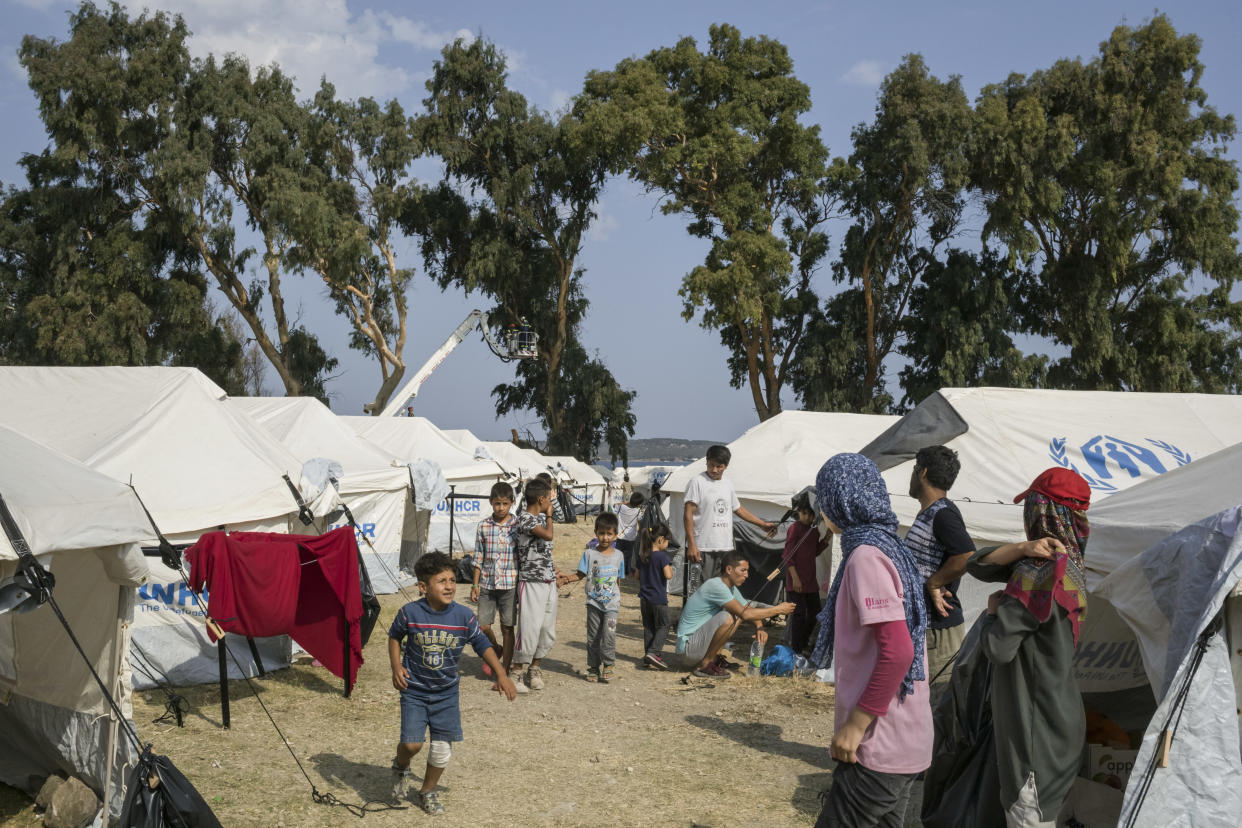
[(452, 513), (254, 653), (348, 688), (224, 684)]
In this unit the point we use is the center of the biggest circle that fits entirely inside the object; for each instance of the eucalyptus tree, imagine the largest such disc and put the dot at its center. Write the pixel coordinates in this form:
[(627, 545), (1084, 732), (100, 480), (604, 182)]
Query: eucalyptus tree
[(510, 219), (717, 133), (1108, 181)]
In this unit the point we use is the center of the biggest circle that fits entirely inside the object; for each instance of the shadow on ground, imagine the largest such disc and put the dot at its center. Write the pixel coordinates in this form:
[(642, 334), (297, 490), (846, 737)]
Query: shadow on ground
[(764, 737), (372, 784)]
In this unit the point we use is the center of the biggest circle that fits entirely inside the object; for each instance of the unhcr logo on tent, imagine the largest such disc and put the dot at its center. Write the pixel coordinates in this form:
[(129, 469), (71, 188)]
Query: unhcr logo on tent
[(1109, 461), (169, 597)]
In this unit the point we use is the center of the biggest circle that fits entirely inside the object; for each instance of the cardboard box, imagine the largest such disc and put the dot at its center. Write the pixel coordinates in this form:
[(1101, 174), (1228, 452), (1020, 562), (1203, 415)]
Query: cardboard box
[(1110, 766)]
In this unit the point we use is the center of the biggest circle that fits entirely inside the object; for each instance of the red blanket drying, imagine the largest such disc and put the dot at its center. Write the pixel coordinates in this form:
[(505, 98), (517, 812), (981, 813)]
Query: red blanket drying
[(305, 586)]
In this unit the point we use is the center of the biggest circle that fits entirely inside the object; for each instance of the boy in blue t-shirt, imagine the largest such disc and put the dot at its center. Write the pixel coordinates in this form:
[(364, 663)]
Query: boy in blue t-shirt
[(435, 630), (603, 566)]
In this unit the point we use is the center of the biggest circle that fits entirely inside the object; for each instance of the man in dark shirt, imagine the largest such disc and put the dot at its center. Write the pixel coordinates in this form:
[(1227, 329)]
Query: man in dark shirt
[(941, 547)]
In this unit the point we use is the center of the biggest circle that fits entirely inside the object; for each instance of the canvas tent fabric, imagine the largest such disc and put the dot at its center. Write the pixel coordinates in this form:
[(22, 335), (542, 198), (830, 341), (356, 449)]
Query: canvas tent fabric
[(375, 486), (86, 528), (199, 465), (1004, 437), (417, 438), (778, 458), (588, 488), (1141, 516), (518, 462), (1170, 595)]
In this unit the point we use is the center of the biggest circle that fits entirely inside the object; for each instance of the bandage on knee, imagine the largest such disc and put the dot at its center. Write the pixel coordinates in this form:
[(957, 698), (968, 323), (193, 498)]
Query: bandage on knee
[(438, 754)]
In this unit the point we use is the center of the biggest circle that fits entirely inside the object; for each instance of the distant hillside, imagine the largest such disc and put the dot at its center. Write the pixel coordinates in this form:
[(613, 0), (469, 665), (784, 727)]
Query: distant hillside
[(655, 450)]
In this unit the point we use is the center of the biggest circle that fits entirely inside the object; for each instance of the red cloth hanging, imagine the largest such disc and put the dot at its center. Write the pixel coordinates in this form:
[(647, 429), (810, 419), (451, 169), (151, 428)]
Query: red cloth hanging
[(304, 586)]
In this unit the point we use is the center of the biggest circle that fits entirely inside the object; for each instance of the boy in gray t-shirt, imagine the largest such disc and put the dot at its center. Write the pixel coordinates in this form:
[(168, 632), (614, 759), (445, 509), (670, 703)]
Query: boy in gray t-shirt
[(603, 567)]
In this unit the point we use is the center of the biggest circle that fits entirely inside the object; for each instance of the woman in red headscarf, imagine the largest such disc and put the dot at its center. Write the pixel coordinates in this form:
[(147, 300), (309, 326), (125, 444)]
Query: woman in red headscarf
[(1029, 635)]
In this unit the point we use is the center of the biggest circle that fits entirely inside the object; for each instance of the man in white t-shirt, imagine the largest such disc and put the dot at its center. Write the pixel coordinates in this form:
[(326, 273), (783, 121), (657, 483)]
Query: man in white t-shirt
[(711, 504)]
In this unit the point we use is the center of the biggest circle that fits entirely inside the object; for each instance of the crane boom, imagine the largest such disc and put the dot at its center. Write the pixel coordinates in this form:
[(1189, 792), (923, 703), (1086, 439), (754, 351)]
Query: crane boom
[(476, 319)]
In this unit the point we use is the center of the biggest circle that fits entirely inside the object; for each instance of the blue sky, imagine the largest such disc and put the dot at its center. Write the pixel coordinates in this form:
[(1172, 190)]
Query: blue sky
[(635, 257)]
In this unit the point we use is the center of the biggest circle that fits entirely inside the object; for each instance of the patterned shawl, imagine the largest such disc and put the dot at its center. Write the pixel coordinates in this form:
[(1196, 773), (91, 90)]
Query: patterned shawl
[(851, 493), (1038, 582)]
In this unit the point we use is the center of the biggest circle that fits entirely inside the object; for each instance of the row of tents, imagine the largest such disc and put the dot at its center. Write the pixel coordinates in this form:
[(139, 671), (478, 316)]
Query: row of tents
[(1162, 649), (98, 463), (1165, 558)]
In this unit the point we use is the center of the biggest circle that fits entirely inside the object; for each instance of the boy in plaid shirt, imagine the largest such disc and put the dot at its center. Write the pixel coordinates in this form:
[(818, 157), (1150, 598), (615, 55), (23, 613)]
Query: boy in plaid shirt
[(494, 586)]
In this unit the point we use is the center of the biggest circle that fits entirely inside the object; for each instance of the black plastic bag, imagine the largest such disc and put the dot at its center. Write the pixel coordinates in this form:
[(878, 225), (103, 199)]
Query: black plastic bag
[(370, 603), (961, 789), (566, 506), (172, 802), (465, 569)]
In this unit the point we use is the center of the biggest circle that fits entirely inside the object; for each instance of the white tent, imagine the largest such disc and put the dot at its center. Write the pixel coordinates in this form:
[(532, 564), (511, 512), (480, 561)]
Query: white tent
[(463, 437), (1004, 437), (198, 464), (374, 487), (416, 438), (587, 487), (778, 458), (85, 528), (775, 460), (518, 462), (1165, 559)]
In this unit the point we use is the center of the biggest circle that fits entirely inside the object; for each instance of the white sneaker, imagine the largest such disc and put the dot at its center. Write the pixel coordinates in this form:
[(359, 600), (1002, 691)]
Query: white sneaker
[(519, 682), (534, 677)]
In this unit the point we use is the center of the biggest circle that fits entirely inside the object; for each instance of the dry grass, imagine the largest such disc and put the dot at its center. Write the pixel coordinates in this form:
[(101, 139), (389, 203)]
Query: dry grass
[(647, 749)]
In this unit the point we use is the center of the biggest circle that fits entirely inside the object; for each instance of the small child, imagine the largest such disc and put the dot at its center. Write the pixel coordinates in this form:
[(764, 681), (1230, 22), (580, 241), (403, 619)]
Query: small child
[(538, 579), (604, 566), (558, 511), (654, 571), (435, 630), (494, 586), (629, 515), (801, 584)]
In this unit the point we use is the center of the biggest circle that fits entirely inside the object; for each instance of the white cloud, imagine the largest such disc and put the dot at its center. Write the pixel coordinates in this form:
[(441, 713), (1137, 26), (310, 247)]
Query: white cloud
[(603, 228), (560, 100), (865, 73), (311, 39)]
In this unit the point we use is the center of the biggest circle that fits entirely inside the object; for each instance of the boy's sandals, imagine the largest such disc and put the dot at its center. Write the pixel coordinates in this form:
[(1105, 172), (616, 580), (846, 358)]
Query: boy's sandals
[(591, 676), (400, 780), (430, 802), (605, 675)]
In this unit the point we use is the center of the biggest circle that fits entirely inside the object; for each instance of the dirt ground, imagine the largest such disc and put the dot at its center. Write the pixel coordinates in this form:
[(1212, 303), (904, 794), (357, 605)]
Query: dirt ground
[(646, 749)]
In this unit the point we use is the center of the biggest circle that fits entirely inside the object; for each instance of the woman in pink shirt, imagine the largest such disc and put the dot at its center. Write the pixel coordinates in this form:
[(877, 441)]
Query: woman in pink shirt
[(874, 623)]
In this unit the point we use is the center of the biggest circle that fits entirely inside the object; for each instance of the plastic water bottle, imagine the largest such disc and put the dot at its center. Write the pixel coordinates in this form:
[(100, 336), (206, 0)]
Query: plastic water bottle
[(756, 656)]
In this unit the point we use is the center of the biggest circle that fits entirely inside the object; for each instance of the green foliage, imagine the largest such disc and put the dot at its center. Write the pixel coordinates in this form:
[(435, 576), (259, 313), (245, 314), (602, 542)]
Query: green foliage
[(349, 235), (717, 134), (182, 145), (903, 186), (958, 331), (509, 220), (82, 283), (1108, 180), (596, 409)]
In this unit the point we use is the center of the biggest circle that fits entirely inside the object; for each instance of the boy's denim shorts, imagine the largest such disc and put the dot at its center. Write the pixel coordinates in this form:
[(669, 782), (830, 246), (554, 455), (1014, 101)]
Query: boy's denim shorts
[(439, 713)]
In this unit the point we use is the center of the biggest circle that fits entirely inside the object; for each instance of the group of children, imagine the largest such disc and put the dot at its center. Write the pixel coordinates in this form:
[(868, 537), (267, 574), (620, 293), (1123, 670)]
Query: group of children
[(515, 577)]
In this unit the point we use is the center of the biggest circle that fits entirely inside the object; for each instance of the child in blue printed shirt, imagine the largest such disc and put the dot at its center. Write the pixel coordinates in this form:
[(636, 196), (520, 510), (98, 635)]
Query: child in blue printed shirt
[(435, 630), (603, 566)]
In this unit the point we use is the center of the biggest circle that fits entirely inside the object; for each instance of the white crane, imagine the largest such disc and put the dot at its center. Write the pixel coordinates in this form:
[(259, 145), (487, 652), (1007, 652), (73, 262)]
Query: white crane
[(516, 342)]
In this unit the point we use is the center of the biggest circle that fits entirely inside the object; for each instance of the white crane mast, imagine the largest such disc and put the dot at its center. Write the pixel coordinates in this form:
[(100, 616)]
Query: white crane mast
[(518, 344)]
